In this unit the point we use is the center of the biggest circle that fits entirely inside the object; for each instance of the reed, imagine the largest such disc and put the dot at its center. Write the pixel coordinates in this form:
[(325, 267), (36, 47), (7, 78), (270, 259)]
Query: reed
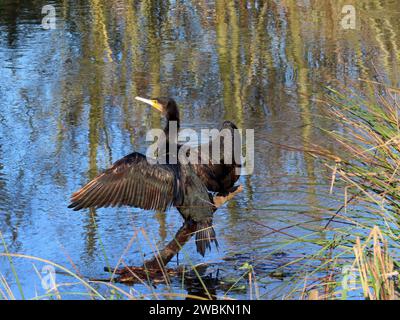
[(367, 168)]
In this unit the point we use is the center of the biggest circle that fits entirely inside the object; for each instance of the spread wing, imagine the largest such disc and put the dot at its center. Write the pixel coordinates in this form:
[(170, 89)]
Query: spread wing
[(130, 181)]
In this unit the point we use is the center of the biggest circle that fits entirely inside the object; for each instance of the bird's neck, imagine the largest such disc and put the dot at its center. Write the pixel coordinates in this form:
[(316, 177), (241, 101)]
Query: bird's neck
[(171, 135), (171, 128)]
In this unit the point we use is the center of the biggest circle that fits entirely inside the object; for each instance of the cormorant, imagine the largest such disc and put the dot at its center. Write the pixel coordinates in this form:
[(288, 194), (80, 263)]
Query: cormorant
[(133, 181)]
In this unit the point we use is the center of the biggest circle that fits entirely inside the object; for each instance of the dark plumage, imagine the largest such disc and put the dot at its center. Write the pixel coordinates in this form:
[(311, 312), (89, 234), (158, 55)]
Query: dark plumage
[(221, 177), (133, 181)]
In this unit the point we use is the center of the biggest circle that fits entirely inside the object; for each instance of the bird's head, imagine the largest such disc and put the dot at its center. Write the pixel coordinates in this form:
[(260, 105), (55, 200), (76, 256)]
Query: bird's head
[(167, 106), (229, 125)]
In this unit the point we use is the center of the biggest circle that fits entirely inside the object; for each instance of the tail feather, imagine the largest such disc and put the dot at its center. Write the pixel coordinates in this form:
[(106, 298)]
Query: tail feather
[(205, 234)]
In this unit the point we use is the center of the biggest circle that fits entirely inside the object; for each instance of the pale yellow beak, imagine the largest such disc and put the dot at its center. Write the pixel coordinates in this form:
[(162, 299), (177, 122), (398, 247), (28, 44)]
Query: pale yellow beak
[(153, 103)]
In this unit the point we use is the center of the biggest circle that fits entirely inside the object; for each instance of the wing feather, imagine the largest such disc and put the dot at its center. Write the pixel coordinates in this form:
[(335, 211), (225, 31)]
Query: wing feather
[(130, 181)]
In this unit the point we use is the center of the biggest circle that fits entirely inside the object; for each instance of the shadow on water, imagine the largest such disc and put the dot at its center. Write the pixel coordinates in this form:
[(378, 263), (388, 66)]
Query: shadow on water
[(68, 111)]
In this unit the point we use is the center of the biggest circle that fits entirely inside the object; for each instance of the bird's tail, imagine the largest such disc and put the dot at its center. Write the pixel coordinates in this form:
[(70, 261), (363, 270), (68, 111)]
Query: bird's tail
[(205, 234)]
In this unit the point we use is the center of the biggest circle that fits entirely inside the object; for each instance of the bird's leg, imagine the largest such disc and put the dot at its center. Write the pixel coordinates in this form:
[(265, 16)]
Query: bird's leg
[(219, 200)]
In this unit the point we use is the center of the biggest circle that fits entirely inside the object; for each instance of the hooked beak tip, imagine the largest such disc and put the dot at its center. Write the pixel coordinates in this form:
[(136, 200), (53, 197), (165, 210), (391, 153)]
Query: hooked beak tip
[(152, 103)]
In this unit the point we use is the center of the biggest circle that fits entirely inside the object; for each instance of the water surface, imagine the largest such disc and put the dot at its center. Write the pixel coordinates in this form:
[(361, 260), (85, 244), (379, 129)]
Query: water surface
[(67, 111)]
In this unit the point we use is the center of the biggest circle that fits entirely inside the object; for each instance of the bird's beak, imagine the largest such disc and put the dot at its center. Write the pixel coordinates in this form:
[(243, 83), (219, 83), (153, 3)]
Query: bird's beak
[(153, 103)]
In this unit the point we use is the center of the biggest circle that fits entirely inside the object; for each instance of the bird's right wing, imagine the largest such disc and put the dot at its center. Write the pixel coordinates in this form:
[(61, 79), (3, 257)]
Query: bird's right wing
[(130, 181)]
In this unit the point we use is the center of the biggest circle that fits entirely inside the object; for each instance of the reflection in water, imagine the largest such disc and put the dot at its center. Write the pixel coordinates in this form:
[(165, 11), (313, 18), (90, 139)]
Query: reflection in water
[(67, 111)]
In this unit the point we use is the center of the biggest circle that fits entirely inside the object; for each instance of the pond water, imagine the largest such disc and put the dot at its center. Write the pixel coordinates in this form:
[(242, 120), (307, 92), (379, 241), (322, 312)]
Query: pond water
[(67, 111)]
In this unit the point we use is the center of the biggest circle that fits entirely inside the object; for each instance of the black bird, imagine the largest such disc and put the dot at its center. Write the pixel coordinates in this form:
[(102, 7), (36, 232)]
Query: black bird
[(133, 181)]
